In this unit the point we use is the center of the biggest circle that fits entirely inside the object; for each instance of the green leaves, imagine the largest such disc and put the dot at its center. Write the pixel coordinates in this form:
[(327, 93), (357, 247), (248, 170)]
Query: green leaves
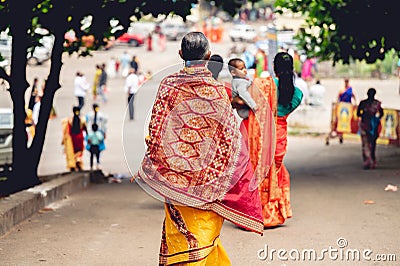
[(360, 30)]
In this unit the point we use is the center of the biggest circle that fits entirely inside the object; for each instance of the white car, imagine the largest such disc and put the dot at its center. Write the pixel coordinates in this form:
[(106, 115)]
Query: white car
[(41, 53), (246, 33)]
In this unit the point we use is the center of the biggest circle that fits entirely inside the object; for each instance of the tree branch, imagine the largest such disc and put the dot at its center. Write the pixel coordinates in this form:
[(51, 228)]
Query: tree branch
[(4, 75), (51, 86)]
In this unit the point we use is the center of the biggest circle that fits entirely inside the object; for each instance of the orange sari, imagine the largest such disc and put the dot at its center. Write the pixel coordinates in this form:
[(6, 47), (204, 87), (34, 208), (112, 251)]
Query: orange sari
[(275, 185)]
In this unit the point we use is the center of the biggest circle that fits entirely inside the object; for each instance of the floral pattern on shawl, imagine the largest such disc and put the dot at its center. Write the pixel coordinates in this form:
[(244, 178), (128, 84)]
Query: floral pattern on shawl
[(194, 141)]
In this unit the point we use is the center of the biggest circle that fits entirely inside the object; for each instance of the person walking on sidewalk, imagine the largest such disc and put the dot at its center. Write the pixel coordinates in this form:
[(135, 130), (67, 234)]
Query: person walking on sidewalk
[(207, 182), (101, 90), (371, 112), (95, 138), (97, 117), (80, 87), (317, 94), (34, 93), (275, 191), (346, 94), (131, 88), (96, 80), (73, 139)]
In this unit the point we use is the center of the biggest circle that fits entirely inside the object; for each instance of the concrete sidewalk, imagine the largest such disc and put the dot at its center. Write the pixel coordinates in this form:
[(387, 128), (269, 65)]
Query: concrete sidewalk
[(21, 205), (119, 224)]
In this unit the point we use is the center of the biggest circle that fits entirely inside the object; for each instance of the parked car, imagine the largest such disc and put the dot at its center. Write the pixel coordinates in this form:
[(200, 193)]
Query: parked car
[(242, 32), (41, 53), (131, 37), (6, 127), (5, 50), (173, 31)]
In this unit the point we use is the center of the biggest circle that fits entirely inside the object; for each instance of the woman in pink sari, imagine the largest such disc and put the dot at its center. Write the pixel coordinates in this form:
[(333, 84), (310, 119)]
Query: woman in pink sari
[(306, 73)]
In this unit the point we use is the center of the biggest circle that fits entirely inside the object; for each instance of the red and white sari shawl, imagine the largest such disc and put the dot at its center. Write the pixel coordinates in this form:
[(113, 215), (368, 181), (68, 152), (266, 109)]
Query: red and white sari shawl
[(196, 155)]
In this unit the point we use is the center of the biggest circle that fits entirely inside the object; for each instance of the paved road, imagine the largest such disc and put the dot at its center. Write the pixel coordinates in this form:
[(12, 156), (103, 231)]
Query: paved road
[(119, 224)]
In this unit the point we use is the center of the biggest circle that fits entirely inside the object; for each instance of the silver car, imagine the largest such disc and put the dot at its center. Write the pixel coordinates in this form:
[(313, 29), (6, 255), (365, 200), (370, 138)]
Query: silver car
[(244, 33), (173, 31), (6, 128)]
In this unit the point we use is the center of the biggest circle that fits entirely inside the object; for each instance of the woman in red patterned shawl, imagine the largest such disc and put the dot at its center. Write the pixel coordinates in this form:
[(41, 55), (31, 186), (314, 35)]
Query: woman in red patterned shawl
[(197, 162)]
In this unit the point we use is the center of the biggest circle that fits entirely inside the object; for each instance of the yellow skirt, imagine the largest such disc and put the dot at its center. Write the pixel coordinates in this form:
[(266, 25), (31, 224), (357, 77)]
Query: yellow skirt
[(191, 237)]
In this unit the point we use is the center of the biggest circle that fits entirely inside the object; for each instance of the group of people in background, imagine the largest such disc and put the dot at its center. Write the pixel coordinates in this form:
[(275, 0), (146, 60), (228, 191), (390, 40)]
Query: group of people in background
[(88, 132), (370, 112), (33, 108), (156, 37), (83, 132)]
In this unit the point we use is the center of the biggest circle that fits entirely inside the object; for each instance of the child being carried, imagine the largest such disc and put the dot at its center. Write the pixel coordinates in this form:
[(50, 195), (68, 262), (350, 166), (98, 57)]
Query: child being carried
[(240, 85)]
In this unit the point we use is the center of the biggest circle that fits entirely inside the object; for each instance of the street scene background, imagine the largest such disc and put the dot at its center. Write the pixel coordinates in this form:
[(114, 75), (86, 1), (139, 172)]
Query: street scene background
[(119, 224)]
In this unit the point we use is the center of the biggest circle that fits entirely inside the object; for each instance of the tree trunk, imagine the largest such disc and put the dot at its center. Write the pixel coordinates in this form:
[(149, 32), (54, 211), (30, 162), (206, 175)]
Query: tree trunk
[(26, 160), (51, 86), (24, 172)]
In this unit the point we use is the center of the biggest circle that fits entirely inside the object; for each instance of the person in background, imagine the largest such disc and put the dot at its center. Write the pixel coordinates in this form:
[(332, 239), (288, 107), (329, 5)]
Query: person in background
[(36, 109), (34, 93), (306, 70), (96, 80), (150, 42), (125, 61), (80, 87), (296, 62), (95, 116), (162, 40), (302, 85), (101, 90), (317, 94), (111, 70), (135, 64), (73, 129), (371, 112), (95, 138), (261, 62), (131, 88), (248, 58), (346, 94), (30, 127), (215, 65)]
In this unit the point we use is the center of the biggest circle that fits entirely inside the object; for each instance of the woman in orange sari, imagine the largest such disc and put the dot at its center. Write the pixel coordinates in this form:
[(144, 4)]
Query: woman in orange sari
[(281, 98), (275, 189)]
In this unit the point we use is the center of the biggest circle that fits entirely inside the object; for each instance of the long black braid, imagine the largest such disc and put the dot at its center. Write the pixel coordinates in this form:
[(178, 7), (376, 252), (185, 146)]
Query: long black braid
[(283, 67)]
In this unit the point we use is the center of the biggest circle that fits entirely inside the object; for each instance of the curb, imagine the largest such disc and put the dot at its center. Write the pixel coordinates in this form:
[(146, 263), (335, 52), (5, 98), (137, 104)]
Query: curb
[(21, 205)]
